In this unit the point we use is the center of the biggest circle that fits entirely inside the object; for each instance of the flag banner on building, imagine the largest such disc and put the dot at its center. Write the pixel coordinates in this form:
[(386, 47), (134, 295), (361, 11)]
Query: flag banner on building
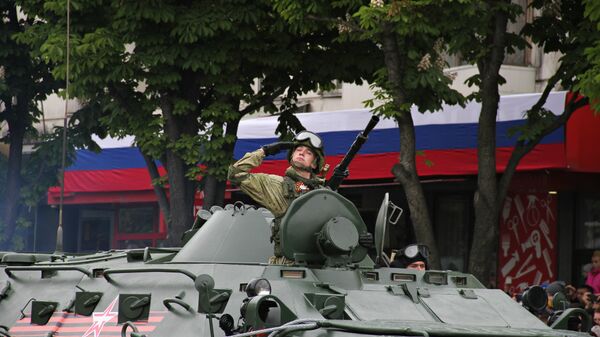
[(527, 247), (447, 141)]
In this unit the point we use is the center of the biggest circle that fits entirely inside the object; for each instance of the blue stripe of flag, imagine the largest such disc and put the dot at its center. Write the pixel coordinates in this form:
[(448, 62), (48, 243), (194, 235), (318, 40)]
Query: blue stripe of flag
[(429, 137)]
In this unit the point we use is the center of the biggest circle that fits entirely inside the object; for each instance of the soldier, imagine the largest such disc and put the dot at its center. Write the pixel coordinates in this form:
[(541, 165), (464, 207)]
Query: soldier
[(306, 158), (413, 256)]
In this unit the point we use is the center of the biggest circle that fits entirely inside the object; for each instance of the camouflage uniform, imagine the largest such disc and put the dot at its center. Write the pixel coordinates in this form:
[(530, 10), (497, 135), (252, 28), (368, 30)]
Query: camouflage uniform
[(272, 191)]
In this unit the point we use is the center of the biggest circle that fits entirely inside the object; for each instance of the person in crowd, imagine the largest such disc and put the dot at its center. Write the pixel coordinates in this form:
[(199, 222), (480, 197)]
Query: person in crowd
[(581, 297), (595, 331), (593, 276), (557, 289), (559, 295), (571, 293)]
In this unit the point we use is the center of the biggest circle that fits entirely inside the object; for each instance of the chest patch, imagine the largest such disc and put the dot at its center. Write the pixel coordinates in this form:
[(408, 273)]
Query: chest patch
[(300, 187)]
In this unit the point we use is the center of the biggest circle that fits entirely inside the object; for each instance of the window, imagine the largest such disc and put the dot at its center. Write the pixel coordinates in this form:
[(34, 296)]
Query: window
[(95, 230), (137, 227), (452, 223), (104, 227), (136, 220), (588, 225), (332, 91)]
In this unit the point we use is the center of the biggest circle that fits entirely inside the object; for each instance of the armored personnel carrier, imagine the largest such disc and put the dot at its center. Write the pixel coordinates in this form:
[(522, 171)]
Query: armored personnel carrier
[(219, 284)]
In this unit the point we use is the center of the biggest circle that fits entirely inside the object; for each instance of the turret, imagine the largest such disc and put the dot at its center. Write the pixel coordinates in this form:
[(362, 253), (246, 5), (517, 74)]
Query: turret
[(237, 234), (319, 228), (322, 227)]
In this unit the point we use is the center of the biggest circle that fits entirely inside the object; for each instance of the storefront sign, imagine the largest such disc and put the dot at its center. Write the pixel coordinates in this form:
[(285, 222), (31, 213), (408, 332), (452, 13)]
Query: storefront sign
[(527, 247)]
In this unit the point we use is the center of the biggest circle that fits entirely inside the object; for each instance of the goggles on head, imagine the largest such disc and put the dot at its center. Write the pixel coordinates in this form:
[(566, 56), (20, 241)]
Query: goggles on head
[(411, 251), (314, 140)]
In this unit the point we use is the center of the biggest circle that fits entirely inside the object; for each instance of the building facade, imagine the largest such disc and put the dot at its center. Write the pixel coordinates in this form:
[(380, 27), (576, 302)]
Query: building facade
[(549, 225)]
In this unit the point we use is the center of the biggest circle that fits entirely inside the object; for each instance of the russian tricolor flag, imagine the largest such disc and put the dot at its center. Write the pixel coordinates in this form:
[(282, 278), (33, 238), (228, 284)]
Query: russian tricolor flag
[(447, 139)]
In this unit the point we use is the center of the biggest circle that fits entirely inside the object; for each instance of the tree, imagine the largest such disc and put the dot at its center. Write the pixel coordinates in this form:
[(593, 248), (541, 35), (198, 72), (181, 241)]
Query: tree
[(410, 39), (24, 80), (194, 62), (411, 35), (589, 83), (560, 27)]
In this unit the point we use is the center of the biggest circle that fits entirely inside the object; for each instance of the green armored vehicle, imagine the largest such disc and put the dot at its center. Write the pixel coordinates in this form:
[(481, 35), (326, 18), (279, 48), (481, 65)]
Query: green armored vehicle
[(218, 284)]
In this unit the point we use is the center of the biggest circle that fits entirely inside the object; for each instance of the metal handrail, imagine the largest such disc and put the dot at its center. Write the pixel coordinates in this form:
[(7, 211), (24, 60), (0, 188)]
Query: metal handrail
[(108, 272), (9, 270)]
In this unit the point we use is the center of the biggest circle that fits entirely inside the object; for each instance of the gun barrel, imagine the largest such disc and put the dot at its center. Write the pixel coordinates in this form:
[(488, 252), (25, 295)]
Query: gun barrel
[(372, 123), (341, 170)]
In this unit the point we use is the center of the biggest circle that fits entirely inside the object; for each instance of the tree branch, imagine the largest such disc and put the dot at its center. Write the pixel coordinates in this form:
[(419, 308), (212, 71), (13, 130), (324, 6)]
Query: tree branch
[(522, 148), (552, 81), (262, 101)]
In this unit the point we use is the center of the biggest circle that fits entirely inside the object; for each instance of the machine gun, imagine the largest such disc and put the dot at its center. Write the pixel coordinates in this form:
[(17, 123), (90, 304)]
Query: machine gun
[(341, 170)]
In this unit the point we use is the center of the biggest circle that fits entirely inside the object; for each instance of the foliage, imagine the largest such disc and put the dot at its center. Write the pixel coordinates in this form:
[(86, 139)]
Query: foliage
[(204, 55), (41, 170), (560, 27), (43, 166), (589, 84), (178, 75), (25, 79), (422, 32), (475, 43), (420, 28), (410, 38), (563, 27)]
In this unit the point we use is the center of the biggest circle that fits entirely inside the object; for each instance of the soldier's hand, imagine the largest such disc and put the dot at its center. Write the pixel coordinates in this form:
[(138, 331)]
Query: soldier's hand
[(366, 240), (275, 148)]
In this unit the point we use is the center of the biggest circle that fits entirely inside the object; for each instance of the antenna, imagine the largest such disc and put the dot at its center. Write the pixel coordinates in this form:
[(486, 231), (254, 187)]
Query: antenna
[(59, 230)]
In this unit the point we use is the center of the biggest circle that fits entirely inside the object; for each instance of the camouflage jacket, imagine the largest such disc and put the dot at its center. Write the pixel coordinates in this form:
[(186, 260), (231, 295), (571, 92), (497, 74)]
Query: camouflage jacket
[(272, 191)]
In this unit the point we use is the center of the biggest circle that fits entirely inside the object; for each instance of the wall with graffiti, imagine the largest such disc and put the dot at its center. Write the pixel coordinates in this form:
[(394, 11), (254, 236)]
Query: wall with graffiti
[(527, 248)]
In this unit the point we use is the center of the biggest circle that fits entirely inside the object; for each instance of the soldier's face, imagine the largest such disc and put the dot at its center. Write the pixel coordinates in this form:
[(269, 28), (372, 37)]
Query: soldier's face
[(418, 265), (304, 157)]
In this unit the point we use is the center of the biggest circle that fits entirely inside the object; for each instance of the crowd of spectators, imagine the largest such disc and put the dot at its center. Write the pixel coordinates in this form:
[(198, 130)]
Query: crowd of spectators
[(586, 296)]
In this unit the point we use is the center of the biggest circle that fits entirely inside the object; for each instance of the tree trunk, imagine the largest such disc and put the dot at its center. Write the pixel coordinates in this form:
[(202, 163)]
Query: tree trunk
[(181, 189), (485, 231), (214, 187), (13, 175), (214, 192), (406, 170), (161, 194), (18, 119)]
